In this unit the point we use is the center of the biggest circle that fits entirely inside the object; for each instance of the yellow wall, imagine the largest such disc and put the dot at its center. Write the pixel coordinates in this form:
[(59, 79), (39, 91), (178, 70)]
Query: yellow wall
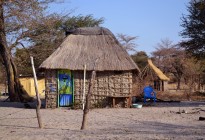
[(28, 84)]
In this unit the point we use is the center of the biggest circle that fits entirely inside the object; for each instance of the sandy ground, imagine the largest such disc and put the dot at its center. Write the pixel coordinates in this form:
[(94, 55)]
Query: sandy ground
[(161, 121)]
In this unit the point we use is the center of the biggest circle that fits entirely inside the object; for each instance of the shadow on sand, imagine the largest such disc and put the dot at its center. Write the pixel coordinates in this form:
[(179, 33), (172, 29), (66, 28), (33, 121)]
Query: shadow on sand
[(159, 103), (4, 102)]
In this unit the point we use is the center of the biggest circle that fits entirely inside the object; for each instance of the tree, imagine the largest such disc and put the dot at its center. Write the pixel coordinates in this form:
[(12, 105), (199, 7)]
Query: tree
[(170, 59), (60, 27), (42, 39), (194, 29), (127, 42), (14, 84), (24, 24), (165, 50), (140, 58), (17, 21), (48, 38), (193, 74), (2, 72), (22, 62), (70, 23)]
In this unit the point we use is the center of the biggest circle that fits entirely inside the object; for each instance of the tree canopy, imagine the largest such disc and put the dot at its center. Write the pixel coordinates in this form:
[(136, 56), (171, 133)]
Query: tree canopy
[(127, 42), (26, 29), (194, 29), (140, 58), (46, 41), (170, 59)]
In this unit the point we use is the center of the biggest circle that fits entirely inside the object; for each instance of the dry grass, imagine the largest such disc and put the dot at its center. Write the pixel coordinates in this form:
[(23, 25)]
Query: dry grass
[(172, 95), (181, 95)]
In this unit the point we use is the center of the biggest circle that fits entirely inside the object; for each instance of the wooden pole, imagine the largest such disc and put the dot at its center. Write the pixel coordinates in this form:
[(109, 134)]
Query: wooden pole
[(87, 104), (38, 106), (84, 87)]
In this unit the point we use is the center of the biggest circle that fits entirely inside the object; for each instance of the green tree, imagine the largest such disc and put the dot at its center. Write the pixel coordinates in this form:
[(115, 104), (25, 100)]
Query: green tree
[(24, 24), (194, 29), (48, 37), (140, 58), (22, 61), (17, 22), (70, 23)]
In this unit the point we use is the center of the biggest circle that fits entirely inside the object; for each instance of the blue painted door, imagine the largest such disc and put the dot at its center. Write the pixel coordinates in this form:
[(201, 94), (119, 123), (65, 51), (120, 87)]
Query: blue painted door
[(65, 88)]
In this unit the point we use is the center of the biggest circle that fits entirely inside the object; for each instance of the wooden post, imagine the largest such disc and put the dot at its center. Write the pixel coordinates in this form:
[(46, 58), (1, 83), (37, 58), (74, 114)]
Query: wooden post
[(83, 101), (38, 106), (113, 102), (162, 88), (87, 104)]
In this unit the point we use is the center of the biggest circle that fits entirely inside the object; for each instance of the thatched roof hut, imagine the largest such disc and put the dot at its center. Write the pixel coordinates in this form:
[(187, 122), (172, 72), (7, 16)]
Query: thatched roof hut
[(158, 72), (155, 75), (99, 50), (86, 46)]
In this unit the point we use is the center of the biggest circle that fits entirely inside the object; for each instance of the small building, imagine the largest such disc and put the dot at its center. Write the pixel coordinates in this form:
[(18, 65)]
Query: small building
[(155, 77), (99, 50)]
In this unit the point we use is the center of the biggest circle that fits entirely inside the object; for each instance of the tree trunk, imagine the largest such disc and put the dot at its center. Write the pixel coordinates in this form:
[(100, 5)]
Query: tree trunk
[(15, 89), (199, 82), (178, 83)]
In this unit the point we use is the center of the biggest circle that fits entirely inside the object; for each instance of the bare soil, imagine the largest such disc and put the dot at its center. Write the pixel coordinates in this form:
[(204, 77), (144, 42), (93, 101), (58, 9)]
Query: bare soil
[(163, 120)]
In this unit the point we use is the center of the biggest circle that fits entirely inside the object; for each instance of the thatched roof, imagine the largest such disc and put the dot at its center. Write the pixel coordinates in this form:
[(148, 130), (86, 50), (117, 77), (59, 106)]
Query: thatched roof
[(158, 72), (91, 46)]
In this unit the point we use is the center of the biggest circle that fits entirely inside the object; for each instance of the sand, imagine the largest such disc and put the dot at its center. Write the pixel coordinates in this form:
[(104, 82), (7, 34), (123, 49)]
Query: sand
[(176, 120)]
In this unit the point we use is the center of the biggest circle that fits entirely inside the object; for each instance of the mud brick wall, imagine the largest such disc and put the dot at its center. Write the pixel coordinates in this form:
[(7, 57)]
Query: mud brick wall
[(51, 95), (107, 83), (51, 100)]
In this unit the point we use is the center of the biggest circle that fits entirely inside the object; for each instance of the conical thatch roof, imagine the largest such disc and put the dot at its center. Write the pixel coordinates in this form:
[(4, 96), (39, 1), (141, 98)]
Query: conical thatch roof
[(91, 46), (158, 72)]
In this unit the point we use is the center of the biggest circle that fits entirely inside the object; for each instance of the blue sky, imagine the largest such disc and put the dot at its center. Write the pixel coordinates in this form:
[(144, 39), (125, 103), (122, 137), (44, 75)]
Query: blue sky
[(150, 20)]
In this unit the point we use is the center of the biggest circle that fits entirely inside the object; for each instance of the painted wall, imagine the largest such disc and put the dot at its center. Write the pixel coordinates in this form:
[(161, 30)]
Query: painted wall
[(28, 84)]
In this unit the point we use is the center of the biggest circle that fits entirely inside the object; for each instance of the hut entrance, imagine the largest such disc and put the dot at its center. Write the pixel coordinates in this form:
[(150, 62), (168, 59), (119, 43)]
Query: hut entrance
[(65, 90)]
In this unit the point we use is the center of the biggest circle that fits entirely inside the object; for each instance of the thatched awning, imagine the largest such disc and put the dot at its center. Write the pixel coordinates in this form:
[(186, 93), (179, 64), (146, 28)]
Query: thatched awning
[(90, 46), (158, 72)]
